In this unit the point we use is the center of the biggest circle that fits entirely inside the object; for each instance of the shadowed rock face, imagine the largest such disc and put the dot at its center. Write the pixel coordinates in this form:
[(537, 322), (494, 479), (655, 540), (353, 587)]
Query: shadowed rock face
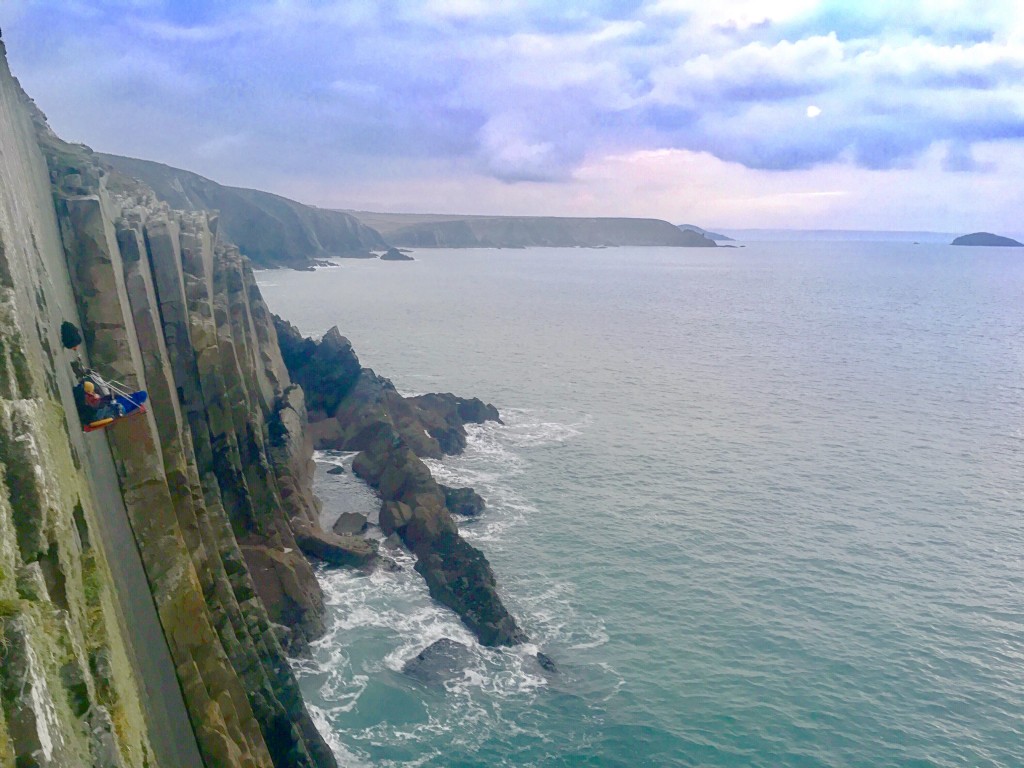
[(392, 433), (273, 231)]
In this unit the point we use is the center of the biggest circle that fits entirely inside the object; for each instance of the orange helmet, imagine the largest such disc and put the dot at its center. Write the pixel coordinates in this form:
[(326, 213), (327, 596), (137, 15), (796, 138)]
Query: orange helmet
[(89, 387)]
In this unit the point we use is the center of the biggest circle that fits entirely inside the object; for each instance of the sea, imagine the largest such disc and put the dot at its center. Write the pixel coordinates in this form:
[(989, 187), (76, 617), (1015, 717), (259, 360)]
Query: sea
[(762, 506)]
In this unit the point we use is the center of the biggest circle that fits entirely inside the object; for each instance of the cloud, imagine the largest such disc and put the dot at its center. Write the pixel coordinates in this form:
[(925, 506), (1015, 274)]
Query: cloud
[(522, 92)]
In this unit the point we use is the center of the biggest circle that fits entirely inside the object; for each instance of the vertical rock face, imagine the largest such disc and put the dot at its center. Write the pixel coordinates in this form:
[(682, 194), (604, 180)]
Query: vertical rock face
[(150, 582), (72, 688)]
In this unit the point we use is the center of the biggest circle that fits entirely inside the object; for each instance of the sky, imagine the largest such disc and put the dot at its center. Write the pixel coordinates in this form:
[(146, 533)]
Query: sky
[(856, 114)]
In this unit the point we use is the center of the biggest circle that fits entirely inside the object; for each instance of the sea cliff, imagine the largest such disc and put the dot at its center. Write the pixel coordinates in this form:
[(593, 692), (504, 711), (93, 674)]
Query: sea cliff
[(154, 576), (133, 561)]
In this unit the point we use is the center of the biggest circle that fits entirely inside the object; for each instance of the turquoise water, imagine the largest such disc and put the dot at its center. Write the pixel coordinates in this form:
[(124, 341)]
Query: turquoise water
[(762, 506)]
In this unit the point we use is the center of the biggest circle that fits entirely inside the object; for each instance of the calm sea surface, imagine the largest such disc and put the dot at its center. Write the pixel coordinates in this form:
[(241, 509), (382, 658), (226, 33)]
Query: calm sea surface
[(762, 506)]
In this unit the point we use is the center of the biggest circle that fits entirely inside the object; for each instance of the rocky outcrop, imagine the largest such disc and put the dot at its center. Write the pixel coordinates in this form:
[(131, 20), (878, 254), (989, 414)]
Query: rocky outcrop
[(146, 572), (987, 238), (438, 662), (334, 548), (393, 254), (392, 433), (463, 501), (271, 230)]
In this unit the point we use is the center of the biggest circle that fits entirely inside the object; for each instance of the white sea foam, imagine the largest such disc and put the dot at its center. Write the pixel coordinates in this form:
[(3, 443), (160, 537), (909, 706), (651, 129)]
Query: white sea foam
[(395, 610)]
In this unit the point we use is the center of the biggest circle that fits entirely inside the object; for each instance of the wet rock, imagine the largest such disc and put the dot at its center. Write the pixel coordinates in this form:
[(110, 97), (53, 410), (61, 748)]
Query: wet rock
[(336, 470), (349, 524), (438, 662), (546, 662), (463, 501), (459, 576)]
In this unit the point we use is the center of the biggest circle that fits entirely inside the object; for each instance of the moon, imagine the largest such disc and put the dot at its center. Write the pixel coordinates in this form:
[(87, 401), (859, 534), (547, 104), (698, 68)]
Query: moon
[(813, 111)]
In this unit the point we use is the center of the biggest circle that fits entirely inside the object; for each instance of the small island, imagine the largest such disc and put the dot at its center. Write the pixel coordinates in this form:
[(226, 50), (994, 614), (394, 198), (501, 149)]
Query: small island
[(393, 254), (987, 238)]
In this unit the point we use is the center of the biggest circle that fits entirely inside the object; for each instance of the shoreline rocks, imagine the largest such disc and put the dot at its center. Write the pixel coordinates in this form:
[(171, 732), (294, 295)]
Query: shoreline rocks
[(463, 501), (357, 410)]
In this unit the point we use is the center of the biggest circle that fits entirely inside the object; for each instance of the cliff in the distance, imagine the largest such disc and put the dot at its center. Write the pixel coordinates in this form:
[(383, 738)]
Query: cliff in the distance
[(271, 230), (449, 231), (150, 577), (274, 231)]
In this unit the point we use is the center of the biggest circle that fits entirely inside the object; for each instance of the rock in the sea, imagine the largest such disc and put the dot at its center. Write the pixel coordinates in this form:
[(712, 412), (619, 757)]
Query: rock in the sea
[(439, 661), (987, 238), (332, 548), (336, 470), (458, 575), (353, 409), (546, 662), (349, 524), (463, 501), (393, 254)]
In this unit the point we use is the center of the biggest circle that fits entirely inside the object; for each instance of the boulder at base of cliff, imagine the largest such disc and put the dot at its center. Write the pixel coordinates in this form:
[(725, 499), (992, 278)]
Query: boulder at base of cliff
[(463, 501), (333, 549), (349, 524)]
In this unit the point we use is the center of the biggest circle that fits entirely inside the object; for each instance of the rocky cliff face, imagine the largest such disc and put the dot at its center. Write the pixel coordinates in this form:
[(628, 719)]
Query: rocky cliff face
[(271, 230), (150, 580)]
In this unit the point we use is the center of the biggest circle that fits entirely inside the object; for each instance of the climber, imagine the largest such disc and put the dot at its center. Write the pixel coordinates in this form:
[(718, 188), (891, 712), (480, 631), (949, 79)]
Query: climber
[(94, 406), (101, 403)]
